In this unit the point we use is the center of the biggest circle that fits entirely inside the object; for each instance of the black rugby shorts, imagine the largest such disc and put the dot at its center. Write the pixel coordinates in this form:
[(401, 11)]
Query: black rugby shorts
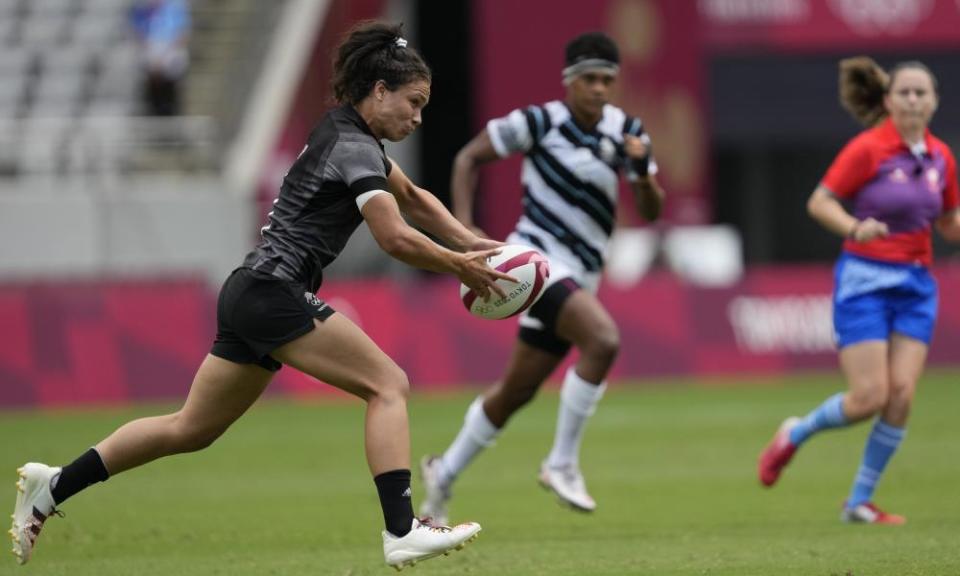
[(546, 311), (258, 313)]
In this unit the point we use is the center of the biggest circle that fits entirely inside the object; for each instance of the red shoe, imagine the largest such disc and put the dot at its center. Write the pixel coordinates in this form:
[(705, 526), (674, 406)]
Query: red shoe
[(777, 454), (869, 514)]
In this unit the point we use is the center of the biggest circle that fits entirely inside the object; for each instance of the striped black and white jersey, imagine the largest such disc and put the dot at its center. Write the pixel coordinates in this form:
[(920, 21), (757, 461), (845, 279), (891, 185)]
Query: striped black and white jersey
[(570, 178), (317, 210)]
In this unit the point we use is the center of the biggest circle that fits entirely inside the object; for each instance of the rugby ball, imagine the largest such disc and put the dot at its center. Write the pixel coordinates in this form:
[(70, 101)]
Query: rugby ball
[(528, 266)]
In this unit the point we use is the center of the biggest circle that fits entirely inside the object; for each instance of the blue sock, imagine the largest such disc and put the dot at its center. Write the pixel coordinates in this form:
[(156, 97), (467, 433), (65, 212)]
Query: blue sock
[(825, 416), (883, 441)]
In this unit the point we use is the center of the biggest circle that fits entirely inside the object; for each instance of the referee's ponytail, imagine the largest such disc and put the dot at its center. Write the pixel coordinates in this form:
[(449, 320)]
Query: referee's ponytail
[(373, 51), (863, 84)]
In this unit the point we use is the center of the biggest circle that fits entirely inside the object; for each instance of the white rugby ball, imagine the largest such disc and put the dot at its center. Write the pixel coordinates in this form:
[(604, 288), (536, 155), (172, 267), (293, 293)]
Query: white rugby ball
[(528, 266)]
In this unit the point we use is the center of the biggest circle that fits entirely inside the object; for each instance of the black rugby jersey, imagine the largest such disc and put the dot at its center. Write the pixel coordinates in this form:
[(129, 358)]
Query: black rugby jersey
[(316, 211)]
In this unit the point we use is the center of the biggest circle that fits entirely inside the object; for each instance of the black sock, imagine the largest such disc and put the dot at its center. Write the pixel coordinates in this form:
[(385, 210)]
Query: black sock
[(85, 471), (394, 490)]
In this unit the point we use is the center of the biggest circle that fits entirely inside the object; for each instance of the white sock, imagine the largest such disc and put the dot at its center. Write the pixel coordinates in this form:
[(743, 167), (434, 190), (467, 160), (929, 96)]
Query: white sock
[(477, 433), (578, 400)]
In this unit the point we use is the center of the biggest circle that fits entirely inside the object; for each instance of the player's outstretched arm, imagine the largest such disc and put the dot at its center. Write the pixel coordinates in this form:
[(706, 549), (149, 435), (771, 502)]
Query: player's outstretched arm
[(406, 244), (427, 212)]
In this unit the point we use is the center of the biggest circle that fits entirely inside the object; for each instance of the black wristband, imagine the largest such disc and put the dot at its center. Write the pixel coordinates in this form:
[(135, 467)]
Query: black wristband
[(640, 166)]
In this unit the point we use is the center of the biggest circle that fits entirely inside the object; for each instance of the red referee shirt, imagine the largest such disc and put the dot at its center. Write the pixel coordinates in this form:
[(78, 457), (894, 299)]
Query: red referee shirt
[(878, 176)]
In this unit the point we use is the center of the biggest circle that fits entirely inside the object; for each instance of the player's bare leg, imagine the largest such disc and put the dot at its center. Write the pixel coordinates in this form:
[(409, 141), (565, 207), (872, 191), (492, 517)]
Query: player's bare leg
[(339, 353), (221, 392)]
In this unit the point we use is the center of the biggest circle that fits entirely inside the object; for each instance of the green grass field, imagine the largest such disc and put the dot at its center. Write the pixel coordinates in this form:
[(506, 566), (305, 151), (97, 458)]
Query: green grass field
[(671, 465)]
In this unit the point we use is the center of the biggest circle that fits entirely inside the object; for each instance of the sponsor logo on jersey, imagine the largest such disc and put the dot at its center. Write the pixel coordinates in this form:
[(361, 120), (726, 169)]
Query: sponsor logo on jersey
[(898, 176), (933, 180)]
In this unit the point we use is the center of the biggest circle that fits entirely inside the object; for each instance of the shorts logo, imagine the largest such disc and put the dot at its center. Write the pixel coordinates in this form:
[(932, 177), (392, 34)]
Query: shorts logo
[(312, 299)]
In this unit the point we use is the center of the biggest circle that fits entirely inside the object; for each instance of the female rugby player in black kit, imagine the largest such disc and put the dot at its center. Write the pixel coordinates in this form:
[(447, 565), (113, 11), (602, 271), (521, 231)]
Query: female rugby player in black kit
[(268, 315)]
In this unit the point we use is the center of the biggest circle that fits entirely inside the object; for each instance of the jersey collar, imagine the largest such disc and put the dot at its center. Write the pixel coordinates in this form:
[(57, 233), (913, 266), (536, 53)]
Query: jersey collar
[(357, 119), (888, 133)]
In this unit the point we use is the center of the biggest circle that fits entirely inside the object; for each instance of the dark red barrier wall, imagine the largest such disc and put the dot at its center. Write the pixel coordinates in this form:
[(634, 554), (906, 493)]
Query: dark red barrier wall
[(76, 343)]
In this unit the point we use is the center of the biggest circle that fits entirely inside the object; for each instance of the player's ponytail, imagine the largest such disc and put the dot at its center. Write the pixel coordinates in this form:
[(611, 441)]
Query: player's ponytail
[(373, 51), (863, 83)]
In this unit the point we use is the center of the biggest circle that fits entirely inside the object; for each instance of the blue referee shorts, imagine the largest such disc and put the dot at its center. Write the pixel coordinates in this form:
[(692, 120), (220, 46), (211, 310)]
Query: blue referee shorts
[(872, 299)]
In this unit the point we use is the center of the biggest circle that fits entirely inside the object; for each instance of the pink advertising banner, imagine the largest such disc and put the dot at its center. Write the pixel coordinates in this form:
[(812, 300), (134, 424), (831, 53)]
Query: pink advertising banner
[(74, 343), (810, 25)]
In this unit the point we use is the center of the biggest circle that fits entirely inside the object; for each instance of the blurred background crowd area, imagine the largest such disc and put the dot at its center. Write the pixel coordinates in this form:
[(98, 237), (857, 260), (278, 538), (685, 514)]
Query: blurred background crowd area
[(143, 141), (151, 135)]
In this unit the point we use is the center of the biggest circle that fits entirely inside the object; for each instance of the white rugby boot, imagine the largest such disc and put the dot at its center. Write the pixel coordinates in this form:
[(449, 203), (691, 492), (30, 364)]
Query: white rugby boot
[(567, 483), (34, 505), (434, 505), (425, 541)]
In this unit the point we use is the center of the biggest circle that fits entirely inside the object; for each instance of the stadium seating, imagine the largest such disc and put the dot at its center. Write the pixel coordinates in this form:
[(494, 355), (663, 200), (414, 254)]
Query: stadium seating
[(56, 51), (72, 73)]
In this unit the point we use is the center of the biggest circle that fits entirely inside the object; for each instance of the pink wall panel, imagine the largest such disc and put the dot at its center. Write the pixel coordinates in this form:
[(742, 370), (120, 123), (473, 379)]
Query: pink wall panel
[(67, 344)]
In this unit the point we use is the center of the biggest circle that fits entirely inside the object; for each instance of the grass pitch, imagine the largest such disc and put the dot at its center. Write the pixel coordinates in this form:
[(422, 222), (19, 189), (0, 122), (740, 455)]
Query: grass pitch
[(672, 466)]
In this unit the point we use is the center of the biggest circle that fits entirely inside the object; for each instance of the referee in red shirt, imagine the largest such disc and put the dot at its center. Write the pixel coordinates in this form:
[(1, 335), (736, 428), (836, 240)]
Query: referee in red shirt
[(883, 194)]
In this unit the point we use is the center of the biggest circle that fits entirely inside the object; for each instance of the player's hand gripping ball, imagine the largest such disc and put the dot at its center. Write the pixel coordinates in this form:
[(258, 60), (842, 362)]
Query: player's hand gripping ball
[(528, 266)]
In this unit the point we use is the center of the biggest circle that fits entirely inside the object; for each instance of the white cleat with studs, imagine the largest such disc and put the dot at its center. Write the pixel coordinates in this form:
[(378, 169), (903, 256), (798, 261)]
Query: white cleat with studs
[(34, 505), (568, 485), (425, 541)]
